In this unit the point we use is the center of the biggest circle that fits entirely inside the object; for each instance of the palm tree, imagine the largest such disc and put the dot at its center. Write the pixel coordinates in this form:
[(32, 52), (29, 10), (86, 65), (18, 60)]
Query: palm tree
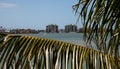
[(101, 23), (102, 19)]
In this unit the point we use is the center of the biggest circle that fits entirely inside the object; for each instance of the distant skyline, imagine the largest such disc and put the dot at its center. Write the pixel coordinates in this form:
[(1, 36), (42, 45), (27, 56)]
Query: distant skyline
[(37, 14)]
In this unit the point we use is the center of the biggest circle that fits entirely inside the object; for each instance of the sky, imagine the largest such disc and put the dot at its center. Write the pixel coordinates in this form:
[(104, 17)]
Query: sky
[(36, 14)]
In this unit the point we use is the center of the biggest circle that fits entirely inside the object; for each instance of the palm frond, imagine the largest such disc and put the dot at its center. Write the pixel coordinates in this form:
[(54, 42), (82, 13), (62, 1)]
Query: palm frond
[(101, 22), (27, 52)]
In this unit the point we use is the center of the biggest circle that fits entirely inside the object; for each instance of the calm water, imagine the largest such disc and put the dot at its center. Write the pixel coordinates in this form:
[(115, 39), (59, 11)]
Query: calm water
[(75, 38)]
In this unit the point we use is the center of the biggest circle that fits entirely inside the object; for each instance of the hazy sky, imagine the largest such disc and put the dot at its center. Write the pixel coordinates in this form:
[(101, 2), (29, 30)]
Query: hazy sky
[(36, 14)]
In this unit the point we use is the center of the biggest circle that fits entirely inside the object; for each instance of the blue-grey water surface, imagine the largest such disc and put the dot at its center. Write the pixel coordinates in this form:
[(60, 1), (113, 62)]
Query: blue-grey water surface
[(74, 38)]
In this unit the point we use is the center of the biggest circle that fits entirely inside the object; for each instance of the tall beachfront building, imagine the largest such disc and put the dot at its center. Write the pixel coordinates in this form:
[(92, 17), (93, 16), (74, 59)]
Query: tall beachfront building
[(52, 28), (70, 28)]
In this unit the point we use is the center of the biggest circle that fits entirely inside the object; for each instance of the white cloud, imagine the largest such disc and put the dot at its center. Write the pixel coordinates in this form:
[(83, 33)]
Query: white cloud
[(7, 5)]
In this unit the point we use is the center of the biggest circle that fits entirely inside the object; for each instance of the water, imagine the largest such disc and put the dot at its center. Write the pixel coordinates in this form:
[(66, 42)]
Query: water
[(74, 38)]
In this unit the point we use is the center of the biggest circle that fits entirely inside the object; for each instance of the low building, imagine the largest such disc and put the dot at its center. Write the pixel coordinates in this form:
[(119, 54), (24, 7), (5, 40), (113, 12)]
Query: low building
[(80, 30), (52, 28), (70, 28), (2, 30), (61, 30), (23, 31)]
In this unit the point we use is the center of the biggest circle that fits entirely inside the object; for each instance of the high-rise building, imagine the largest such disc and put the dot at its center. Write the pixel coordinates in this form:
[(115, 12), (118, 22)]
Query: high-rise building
[(52, 28), (70, 28)]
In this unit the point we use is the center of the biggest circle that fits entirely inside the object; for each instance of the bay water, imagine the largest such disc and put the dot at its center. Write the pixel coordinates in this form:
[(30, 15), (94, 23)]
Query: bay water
[(74, 38)]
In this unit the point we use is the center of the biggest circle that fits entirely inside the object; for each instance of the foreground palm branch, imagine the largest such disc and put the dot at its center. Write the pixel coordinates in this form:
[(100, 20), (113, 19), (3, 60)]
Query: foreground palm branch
[(101, 21), (27, 52)]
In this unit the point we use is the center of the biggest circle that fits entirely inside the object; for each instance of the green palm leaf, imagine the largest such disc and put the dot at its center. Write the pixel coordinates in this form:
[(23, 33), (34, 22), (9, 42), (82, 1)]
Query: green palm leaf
[(101, 23), (28, 52)]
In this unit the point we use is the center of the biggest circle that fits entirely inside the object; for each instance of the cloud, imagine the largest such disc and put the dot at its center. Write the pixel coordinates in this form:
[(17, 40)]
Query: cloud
[(7, 5)]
